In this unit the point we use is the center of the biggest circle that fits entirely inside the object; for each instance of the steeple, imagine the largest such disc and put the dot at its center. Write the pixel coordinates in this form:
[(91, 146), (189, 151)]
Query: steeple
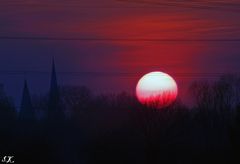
[(54, 84), (54, 91), (26, 109)]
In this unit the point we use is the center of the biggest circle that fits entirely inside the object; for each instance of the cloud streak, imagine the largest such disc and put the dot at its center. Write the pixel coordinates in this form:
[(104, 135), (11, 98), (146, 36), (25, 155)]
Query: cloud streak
[(122, 36)]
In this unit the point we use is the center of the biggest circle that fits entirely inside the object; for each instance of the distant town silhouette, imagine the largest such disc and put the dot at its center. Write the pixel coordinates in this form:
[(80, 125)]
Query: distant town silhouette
[(72, 125)]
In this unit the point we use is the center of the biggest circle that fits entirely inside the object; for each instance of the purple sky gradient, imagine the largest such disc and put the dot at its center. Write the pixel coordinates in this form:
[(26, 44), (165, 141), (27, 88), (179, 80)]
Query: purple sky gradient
[(116, 65)]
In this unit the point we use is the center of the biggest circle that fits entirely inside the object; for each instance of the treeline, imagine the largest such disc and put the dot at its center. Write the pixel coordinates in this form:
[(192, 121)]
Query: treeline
[(117, 129)]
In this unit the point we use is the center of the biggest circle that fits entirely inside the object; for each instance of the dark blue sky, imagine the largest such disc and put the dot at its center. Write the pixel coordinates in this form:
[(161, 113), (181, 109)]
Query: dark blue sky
[(188, 40)]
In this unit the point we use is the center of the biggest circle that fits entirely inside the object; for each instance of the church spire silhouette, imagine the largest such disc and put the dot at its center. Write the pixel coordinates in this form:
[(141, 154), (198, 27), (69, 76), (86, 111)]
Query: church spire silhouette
[(26, 109), (54, 90)]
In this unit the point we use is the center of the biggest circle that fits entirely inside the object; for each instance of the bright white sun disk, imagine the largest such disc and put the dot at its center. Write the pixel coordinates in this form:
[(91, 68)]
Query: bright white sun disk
[(158, 88)]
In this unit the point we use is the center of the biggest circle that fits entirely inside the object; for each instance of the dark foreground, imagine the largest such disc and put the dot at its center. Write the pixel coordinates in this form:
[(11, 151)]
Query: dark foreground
[(116, 129)]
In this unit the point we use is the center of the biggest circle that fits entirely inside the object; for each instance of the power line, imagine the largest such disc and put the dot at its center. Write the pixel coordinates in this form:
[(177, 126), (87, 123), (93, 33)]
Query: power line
[(117, 39), (200, 3), (195, 5), (120, 4), (214, 6), (80, 6), (113, 74)]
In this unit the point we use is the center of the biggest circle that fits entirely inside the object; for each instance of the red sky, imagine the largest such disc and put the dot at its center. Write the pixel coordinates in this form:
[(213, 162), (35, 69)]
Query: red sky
[(130, 47)]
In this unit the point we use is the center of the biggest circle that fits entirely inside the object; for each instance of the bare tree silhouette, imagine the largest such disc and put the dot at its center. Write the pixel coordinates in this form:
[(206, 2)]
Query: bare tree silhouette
[(117, 128)]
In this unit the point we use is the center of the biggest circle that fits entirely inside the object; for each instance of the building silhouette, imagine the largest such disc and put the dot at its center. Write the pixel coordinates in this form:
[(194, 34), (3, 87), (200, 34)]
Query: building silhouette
[(55, 110), (26, 109), (54, 97)]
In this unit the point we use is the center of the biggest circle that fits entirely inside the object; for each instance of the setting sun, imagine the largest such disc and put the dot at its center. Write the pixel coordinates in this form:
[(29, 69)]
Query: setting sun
[(156, 89)]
